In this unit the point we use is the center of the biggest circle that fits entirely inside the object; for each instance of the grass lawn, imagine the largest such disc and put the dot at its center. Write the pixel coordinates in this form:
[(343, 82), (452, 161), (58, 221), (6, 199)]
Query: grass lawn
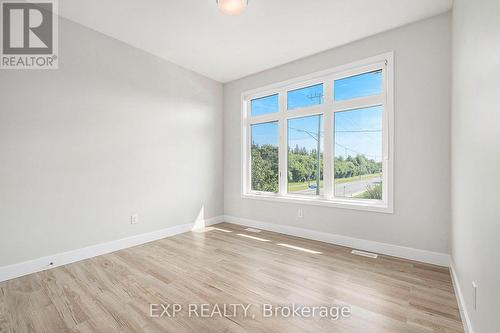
[(304, 185), (355, 178)]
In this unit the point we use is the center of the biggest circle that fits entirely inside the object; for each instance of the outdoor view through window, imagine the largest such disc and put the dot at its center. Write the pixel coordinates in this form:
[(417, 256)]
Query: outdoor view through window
[(265, 157), (358, 153), (305, 155), (348, 120)]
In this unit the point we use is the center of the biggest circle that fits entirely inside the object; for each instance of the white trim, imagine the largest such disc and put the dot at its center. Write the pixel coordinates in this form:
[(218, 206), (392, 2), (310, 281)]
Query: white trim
[(360, 103), (388, 143), (282, 148), (425, 256), (64, 258), (466, 321), (366, 205), (337, 72), (328, 142)]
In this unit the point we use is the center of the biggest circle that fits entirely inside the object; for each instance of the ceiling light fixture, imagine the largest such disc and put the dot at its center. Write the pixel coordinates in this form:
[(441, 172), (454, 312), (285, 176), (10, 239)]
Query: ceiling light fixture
[(232, 7)]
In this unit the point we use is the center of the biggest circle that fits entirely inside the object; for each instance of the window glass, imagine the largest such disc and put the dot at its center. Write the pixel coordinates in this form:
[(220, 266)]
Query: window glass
[(361, 85), (265, 157), (264, 105), (305, 155), (304, 97), (358, 154)]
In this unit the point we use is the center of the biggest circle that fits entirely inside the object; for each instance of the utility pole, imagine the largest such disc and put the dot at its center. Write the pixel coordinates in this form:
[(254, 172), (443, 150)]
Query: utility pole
[(318, 152)]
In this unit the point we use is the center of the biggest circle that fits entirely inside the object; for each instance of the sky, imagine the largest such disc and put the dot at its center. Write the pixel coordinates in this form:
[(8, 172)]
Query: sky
[(356, 131)]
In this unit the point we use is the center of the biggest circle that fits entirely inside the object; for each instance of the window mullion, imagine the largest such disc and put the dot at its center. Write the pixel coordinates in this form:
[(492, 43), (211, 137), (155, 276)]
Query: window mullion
[(263, 119), (283, 144), (247, 148), (359, 103), (328, 141), (309, 111)]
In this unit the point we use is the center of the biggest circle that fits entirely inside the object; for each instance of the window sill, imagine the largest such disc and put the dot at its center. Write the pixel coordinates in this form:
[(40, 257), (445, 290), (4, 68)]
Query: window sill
[(363, 205)]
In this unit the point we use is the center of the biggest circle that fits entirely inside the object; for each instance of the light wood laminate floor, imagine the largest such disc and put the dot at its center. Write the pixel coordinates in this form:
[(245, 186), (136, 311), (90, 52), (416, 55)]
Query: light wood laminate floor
[(113, 292)]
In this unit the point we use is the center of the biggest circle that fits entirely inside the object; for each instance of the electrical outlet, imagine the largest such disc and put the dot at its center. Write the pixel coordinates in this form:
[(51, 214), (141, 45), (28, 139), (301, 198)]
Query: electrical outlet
[(474, 295), (300, 213), (134, 219)]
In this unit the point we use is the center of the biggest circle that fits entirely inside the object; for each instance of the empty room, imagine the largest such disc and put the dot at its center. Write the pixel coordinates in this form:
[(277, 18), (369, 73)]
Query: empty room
[(250, 166)]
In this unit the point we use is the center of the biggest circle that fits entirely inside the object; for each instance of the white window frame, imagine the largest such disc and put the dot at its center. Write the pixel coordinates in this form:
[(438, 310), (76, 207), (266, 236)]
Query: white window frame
[(328, 109)]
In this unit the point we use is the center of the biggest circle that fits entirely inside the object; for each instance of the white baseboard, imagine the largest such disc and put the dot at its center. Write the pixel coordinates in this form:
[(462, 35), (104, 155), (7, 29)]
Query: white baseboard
[(460, 299), (430, 257), (64, 258), (59, 259)]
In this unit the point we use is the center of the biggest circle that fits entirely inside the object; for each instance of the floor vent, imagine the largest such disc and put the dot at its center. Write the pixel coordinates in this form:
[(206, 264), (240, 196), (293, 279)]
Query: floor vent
[(365, 254), (252, 230)]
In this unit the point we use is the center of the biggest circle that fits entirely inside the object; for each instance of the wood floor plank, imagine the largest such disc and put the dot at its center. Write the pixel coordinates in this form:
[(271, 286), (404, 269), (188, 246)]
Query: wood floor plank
[(225, 264)]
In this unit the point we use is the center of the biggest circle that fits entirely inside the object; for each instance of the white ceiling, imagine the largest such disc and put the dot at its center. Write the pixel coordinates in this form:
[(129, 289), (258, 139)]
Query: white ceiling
[(196, 35)]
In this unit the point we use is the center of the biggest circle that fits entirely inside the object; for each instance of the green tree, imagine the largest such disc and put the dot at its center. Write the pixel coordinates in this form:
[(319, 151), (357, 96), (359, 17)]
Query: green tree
[(265, 168), (355, 166)]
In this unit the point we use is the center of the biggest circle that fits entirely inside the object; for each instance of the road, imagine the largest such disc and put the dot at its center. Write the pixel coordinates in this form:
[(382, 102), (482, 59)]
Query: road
[(348, 190)]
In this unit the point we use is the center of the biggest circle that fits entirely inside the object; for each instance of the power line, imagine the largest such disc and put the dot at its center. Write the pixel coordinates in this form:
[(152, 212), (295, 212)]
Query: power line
[(358, 131), (313, 135), (355, 151)]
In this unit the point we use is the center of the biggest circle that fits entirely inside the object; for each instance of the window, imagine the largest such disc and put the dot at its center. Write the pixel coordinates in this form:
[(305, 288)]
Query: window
[(305, 97), (305, 155), (361, 85), (358, 153), (264, 105), (265, 157), (325, 139)]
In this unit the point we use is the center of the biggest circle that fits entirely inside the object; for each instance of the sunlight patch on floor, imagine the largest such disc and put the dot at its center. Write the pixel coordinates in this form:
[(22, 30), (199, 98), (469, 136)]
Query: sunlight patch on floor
[(299, 248), (255, 238)]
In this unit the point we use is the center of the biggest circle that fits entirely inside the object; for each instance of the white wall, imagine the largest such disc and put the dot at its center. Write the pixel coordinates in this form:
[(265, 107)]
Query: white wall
[(421, 217), (476, 157), (114, 131)]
